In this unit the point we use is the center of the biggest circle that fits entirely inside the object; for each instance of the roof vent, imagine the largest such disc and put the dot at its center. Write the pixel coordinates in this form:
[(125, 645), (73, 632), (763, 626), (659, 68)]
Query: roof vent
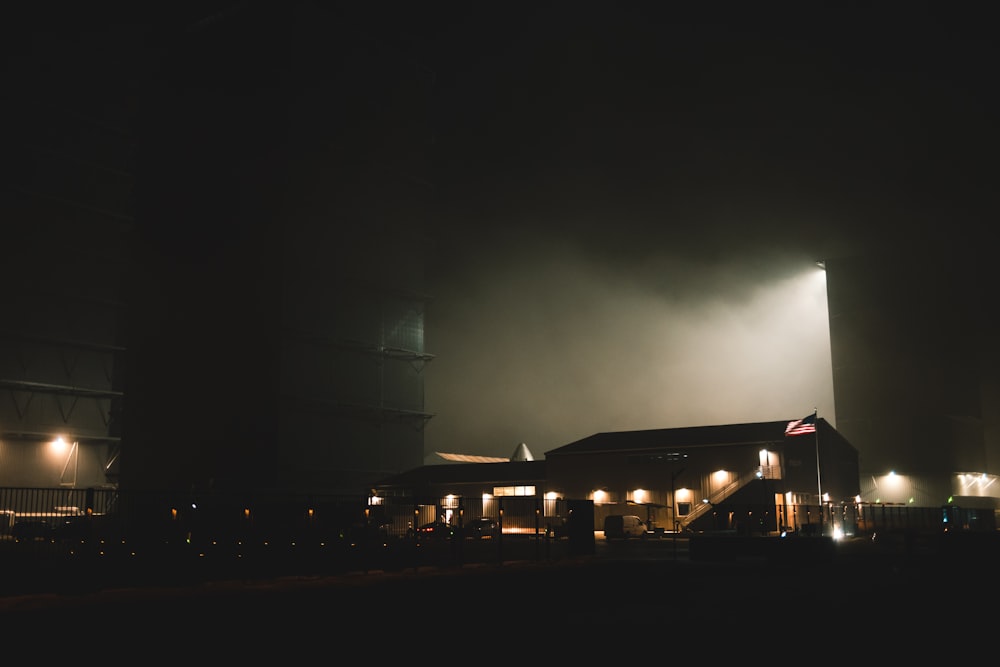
[(521, 453)]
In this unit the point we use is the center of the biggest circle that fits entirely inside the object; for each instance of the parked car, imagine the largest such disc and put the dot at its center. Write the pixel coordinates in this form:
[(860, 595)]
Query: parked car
[(622, 527), (483, 528), (435, 530)]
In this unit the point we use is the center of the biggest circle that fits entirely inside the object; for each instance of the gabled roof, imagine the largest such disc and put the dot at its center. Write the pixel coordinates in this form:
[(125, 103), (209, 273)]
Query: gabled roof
[(521, 453), (466, 458), (689, 436)]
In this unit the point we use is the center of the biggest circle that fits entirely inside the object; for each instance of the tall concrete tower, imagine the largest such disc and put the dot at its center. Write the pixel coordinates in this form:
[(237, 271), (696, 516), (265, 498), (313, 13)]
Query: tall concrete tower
[(280, 329), (68, 210), (914, 376), (213, 234)]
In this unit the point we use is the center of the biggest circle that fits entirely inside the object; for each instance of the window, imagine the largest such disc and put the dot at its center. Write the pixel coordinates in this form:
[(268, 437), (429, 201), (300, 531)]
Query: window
[(513, 490)]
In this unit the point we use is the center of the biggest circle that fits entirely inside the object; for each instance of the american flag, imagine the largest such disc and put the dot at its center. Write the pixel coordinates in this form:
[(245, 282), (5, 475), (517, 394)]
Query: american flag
[(802, 426)]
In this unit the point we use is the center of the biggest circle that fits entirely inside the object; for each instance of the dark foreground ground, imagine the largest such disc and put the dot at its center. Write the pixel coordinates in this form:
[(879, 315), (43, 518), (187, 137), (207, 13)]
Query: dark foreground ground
[(897, 597)]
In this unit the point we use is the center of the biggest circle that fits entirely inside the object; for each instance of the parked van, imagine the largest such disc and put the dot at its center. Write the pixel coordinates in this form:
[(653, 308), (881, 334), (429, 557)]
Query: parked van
[(623, 526)]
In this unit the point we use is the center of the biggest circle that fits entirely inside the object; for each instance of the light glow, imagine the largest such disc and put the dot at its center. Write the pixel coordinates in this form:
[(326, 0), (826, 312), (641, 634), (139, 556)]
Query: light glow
[(58, 446)]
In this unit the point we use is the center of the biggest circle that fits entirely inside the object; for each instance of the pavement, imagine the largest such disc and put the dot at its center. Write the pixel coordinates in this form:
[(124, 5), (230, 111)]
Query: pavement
[(859, 590)]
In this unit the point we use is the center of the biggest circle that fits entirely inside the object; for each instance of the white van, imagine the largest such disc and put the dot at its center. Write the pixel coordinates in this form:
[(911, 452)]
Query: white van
[(623, 526)]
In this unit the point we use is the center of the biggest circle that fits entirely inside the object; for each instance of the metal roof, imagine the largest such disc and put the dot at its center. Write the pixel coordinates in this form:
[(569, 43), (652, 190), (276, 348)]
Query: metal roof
[(470, 458), (690, 436)]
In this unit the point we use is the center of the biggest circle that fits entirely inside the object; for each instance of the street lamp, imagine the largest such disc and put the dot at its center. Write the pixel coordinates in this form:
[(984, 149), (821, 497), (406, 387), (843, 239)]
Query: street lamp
[(59, 446)]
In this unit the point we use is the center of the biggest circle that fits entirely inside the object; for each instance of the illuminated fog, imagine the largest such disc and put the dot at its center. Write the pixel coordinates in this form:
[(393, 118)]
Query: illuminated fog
[(546, 345)]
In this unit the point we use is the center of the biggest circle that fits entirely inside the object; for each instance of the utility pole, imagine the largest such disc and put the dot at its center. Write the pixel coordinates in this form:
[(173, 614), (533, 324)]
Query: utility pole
[(673, 507)]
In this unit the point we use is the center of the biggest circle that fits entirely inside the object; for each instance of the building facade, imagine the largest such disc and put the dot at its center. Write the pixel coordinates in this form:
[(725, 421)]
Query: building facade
[(743, 477), (67, 201), (749, 478)]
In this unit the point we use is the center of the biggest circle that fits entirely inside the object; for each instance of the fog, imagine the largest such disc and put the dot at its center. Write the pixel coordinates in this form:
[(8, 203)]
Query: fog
[(548, 343), (633, 201)]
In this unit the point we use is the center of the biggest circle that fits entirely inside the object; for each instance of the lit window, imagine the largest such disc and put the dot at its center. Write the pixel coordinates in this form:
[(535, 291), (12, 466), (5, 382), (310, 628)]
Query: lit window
[(513, 490)]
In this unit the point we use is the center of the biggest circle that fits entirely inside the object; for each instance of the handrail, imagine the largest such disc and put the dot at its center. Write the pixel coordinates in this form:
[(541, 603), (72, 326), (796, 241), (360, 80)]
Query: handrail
[(760, 472)]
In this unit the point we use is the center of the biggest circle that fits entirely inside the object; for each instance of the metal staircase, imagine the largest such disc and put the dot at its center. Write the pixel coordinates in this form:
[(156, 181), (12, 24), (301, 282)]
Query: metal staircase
[(720, 495)]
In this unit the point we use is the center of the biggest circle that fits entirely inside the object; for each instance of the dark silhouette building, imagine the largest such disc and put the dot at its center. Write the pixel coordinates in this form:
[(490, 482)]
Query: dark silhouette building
[(67, 201), (218, 218), (914, 370)]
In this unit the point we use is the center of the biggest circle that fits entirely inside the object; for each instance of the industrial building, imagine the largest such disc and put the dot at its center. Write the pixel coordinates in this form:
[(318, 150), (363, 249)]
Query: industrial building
[(758, 478), (214, 276), (68, 206)]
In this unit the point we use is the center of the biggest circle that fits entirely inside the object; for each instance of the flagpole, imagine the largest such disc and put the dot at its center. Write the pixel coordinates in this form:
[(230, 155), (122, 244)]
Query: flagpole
[(819, 481)]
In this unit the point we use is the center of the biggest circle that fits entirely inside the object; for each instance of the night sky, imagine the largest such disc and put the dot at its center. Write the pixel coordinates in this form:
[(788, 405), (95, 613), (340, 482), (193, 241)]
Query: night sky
[(632, 196)]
